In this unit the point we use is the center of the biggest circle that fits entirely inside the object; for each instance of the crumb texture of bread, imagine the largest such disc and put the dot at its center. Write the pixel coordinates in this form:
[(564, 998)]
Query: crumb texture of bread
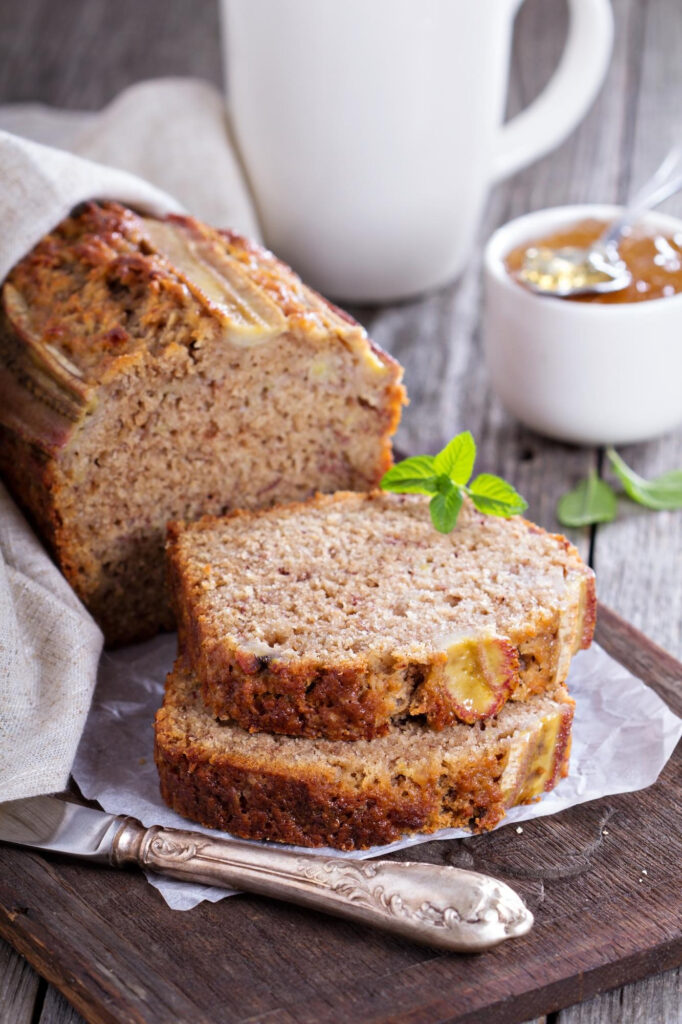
[(352, 795), (340, 615), (154, 370)]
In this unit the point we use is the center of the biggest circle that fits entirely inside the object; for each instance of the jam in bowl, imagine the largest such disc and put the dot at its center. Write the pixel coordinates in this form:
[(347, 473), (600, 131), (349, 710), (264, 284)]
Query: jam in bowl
[(604, 369), (653, 259)]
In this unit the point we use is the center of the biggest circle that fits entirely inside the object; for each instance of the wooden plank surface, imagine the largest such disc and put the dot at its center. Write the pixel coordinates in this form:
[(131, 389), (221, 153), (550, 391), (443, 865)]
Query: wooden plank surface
[(80, 53), (18, 988), (651, 1001)]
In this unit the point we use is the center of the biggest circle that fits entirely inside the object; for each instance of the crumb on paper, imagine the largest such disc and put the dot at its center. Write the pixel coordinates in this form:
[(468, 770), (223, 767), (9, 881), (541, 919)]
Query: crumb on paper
[(519, 830)]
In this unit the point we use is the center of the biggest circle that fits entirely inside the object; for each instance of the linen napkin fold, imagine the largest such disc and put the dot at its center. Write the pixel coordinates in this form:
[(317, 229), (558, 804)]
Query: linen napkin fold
[(163, 147), (49, 652)]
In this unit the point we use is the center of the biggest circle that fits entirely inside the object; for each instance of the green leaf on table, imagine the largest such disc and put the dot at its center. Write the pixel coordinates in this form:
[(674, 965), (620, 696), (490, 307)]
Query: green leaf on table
[(663, 492), (494, 496), (415, 475), (592, 501), (444, 507), (457, 458)]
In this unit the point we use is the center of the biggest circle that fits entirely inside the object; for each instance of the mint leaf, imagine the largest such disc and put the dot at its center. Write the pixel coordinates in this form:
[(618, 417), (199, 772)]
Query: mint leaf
[(457, 458), (415, 475), (592, 501), (494, 496), (444, 508), (663, 492), (445, 476)]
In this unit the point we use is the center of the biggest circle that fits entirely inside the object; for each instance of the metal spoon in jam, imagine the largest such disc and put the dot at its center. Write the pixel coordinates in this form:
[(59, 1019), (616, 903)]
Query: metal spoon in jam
[(571, 271)]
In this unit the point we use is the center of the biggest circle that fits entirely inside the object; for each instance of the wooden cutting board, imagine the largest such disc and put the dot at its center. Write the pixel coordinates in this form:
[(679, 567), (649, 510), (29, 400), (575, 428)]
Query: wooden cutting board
[(603, 880)]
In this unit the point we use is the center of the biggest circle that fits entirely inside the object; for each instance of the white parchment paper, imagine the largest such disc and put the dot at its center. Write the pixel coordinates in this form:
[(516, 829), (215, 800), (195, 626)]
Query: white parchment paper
[(623, 734)]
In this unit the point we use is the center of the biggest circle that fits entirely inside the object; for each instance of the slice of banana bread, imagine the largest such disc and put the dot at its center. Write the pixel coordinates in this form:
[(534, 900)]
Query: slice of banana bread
[(152, 370), (335, 616), (354, 795)]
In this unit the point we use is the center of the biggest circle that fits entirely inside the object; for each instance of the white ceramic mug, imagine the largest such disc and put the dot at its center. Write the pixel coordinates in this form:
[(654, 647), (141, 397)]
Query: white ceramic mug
[(371, 130)]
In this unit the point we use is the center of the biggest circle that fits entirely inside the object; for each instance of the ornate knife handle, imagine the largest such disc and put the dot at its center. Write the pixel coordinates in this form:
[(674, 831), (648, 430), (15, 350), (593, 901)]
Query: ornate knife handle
[(439, 906)]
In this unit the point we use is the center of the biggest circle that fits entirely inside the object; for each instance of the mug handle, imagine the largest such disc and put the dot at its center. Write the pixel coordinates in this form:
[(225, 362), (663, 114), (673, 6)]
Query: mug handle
[(569, 93)]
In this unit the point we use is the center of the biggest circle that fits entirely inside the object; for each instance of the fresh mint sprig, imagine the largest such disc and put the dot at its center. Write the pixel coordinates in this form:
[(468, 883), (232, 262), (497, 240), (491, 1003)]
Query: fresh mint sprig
[(595, 501), (446, 477)]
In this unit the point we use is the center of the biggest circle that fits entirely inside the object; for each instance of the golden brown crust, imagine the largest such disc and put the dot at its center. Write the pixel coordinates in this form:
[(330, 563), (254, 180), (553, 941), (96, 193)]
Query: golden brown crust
[(285, 810), (28, 474), (95, 293), (359, 700), (309, 803), (286, 288), (348, 704), (589, 619)]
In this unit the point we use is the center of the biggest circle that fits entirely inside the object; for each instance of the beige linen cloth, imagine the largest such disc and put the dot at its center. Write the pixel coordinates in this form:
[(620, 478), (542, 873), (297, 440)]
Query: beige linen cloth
[(166, 148)]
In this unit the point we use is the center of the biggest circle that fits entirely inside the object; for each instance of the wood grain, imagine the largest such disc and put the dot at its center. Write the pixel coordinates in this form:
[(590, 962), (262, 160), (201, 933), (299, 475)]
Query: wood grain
[(652, 1001), (18, 987), (79, 54), (56, 1010)]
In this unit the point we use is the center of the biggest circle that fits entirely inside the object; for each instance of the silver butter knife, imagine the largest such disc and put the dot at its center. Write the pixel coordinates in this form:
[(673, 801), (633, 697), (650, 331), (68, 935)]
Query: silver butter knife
[(437, 905)]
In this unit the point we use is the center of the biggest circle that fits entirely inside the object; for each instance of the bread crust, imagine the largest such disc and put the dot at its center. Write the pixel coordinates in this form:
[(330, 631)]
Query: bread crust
[(357, 698), (308, 803)]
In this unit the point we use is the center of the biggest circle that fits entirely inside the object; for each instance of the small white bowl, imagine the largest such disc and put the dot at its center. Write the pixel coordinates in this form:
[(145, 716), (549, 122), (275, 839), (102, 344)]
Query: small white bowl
[(583, 372)]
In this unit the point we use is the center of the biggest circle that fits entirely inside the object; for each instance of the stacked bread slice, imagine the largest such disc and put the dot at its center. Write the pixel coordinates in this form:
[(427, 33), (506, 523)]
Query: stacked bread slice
[(346, 674)]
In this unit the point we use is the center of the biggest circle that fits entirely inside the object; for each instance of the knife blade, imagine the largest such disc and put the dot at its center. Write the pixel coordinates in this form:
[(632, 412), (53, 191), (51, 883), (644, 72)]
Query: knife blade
[(443, 906), (48, 823)]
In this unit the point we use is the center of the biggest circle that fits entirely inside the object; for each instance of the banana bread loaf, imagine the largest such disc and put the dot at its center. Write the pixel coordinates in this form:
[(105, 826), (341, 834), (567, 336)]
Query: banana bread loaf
[(159, 369), (336, 616), (354, 795)]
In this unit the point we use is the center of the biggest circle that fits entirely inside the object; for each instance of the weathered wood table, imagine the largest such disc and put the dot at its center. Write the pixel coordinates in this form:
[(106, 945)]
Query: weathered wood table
[(80, 53)]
